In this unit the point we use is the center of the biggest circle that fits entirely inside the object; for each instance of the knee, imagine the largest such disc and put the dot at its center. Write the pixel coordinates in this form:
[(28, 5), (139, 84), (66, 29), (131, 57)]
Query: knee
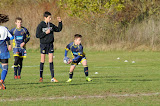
[(5, 67)]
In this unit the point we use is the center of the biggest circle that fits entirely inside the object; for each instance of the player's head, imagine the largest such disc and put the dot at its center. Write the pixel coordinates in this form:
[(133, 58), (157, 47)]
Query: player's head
[(3, 18), (47, 16), (77, 39), (18, 22)]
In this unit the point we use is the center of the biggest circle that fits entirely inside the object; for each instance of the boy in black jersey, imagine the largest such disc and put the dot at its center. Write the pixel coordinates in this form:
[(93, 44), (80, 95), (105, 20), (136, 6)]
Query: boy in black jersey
[(45, 32)]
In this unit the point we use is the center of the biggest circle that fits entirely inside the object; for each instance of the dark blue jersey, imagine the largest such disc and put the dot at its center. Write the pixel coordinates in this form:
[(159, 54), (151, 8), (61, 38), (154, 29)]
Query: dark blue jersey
[(20, 35), (76, 50)]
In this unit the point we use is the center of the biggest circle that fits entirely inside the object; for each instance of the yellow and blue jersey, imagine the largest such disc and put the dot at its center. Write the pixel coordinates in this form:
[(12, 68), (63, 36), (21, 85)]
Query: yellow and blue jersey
[(20, 35), (76, 51)]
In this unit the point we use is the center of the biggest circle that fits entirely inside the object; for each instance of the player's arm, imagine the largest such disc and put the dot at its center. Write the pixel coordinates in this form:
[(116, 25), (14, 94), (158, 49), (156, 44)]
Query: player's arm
[(9, 45), (39, 33), (59, 28), (27, 37), (66, 50), (80, 54), (9, 35)]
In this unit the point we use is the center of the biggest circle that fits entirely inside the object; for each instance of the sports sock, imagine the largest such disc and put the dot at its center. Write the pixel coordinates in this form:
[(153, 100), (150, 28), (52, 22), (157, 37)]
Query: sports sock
[(15, 70), (4, 72), (86, 70), (51, 69), (70, 75), (19, 70), (20, 66), (0, 66), (41, 69), (16, 60)]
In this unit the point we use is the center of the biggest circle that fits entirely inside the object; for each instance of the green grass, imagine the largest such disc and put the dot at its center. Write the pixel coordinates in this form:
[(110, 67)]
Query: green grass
[(115, 77)]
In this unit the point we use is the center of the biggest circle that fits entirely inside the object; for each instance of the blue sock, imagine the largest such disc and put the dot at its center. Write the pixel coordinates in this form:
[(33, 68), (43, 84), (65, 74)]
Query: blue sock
[(4, 72), (1, 66)]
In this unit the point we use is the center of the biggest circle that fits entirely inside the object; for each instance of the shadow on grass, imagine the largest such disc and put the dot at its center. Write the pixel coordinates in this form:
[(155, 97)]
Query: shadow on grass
[(29, 83), (122, 79)]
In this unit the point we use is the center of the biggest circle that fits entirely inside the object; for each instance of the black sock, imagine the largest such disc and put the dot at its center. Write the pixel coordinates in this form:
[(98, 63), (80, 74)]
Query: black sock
[(86, 71), (52, 69), (19, 70), (15, 70), (41, 69), (70, 75), (20, 66)]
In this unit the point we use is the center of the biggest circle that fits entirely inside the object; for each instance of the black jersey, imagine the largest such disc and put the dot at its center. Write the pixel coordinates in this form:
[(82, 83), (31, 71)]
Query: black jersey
[(43, 27)]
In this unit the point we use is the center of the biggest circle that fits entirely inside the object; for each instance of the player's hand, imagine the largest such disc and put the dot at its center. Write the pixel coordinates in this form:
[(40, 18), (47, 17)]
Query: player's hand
[(9, 47), (70, 60), (48, 31), (22, 44), (59, 19)]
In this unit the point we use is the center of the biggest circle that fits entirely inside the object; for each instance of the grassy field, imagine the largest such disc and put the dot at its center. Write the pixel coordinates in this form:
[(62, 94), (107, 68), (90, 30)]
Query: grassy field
[(117, 82)]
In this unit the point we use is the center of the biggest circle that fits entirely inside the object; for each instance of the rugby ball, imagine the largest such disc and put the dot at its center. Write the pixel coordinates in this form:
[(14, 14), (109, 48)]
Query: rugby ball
[(65, 60)]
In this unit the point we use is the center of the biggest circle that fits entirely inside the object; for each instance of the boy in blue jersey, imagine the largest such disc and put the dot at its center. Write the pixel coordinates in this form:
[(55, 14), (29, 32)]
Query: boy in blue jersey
[(21, 37), (79, 56), (4, 53)]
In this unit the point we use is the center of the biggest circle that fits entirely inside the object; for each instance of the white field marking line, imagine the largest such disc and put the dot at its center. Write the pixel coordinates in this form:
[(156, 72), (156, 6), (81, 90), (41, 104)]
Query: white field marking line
[(80, 97), (69, 66)]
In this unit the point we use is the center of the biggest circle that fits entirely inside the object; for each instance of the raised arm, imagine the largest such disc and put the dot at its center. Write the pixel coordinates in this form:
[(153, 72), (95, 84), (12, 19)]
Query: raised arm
[(59, 28)]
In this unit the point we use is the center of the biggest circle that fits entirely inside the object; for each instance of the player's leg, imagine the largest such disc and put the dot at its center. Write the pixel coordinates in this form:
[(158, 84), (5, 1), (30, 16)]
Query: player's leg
[(4, 72), (22, 54), (20, 67), (0, 65), (71, 72), (42, 67), (51, 65), (16, 61), (43, 53), (84, 63), (50, 56)]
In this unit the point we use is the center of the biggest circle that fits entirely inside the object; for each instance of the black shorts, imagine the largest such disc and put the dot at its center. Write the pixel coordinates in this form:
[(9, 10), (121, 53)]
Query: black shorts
[(47, 48), (4, 60)]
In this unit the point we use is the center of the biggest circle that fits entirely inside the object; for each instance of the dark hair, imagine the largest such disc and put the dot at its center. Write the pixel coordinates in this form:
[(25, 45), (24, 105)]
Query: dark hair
[(18, 18), (77, 36), (3, 18), (46, 14)]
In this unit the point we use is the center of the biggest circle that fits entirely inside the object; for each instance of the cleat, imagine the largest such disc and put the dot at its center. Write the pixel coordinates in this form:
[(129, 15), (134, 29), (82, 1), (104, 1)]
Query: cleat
[(15, 77), (69, 80), (54, 80), (19, 77), (41, 79), (88, 79), (2, 85)]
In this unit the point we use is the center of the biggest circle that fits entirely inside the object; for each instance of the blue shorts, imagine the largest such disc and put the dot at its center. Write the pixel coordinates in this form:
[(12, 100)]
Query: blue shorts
[(4, 53), (80, 60), (47, 48), (20, 52)]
